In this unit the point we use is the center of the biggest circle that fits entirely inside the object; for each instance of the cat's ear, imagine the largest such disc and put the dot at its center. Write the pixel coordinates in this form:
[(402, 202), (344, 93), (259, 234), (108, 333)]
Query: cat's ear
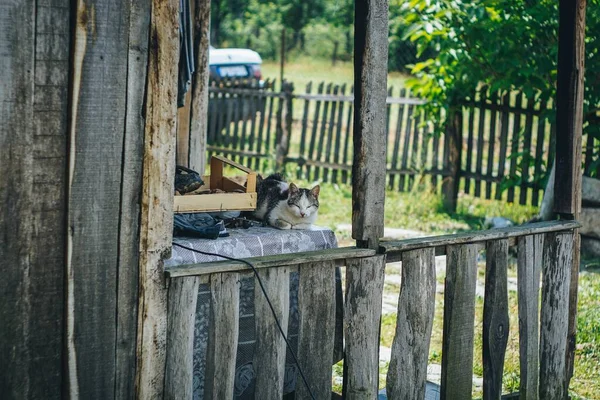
[(315, 191), (293, 188)]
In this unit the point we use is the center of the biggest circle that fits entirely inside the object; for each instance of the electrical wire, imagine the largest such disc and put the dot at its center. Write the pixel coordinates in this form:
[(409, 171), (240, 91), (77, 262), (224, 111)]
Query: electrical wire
[(262, 287)]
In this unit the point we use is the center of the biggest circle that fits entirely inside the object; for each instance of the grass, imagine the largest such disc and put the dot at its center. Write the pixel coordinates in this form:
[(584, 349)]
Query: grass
[(303, 70)]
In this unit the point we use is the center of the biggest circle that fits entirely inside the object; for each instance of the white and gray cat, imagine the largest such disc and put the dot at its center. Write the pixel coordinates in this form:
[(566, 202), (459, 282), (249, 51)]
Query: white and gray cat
[(284, 205)]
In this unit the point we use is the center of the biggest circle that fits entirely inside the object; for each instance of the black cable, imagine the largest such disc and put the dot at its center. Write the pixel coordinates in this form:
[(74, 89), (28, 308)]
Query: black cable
[(312, 396)]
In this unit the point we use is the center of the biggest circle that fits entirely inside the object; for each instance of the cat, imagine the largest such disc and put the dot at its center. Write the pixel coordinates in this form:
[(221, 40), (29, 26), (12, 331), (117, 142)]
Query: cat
[(284, 205)]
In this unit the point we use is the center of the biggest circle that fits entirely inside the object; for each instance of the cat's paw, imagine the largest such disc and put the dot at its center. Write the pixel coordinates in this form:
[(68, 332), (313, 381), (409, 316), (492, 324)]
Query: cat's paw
[(302, 226), (281, 224)]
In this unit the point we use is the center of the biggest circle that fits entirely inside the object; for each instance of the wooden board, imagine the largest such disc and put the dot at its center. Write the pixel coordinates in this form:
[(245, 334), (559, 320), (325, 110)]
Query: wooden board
[(156, 222), (556, 274), (316, 307), (17, 46), (179, 371), (364, 292), (97, 135), (223, 331), (495, 318), (270, 351), (215, 202), (370, 92), (407, 371), (529, 266), (459, 316), (306, 257)]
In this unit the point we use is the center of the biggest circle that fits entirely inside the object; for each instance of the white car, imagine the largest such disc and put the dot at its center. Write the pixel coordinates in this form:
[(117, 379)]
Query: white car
[(234, 63)]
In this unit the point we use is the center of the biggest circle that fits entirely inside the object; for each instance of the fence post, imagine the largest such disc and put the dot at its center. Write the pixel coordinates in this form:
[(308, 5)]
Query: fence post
[(453, 142), (285, 125)]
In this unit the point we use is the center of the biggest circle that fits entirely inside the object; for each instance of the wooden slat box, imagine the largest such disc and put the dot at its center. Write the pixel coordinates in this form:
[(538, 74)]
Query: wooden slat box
[(245, 201)]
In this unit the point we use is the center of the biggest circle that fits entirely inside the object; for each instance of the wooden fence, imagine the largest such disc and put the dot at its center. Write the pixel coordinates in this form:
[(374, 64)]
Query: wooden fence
[(503, 150), (544, 249)]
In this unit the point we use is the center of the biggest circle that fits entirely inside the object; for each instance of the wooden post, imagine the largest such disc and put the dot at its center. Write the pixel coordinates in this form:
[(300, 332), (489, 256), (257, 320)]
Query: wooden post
[(199, 117), (282, 57), (285, 129), (453, 142), (569, 123), (370, 93), (156, 224)]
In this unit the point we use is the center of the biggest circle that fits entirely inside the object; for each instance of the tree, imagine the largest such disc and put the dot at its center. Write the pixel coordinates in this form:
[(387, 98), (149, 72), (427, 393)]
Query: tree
[(505, 44)]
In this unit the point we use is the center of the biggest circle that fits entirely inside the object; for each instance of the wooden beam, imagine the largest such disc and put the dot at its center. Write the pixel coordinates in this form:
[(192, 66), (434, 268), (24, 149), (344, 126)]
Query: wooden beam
[(569, 127), (370, 91), (278, 260), (156, 226), (199, 112)]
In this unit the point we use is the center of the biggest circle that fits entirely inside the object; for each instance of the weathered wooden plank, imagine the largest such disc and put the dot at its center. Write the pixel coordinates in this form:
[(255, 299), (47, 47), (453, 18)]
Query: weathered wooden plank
[(284, 125), (316, 308), (349, 127), (495, 318), (330, 131), (223, 331), (479, 236), (569, 127), (183, 296), (364, 291), (556, 275), (459, 316), (131, 189), (183, 131), (407, 372), (453, 148), (480, 140), (504, 119), (338, 137), (469, 155), (370, 85), (514, 145), (529, 265), (526, 150), (156, 223), (199, 112), (492, 145), (270, 351), (17, 326), (395, 152), (323, 128), (539, 150), (307, 257), (405, 145), (95, 174)]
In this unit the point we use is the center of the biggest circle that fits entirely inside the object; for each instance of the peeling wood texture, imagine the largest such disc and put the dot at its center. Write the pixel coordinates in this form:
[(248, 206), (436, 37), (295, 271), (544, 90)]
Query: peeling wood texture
[(270, 351), (183, 297), (199, 112), (495, 318), (529, 266), (407, 372), (316, 308), (370, 92), (100, 71), (223, 331), (459, 316), (558, 257), (131, 189), (156, 224), (364, 291)]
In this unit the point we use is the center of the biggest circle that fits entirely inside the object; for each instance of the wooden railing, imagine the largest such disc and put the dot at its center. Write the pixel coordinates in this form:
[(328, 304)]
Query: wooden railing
[(542, 248)]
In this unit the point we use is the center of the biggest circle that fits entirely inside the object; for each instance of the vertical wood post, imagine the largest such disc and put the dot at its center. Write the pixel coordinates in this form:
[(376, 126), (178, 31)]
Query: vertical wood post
[(370, 93), (569, 123), (199, 117), (453, 142), (156, 224), (285, 128)]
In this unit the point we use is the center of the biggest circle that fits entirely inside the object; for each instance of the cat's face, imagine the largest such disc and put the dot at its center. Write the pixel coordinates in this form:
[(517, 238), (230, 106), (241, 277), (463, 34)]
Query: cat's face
[(303, 203)]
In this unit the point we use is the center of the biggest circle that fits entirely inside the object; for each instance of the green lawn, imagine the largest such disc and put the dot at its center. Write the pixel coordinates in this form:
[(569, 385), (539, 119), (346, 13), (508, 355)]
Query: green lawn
[(305, 69)]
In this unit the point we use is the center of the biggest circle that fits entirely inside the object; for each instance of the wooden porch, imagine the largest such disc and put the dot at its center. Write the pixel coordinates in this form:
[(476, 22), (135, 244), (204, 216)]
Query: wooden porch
[(87, 152)]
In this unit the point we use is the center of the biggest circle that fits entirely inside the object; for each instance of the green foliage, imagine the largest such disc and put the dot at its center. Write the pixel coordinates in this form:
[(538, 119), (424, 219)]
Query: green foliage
[(505, 44)]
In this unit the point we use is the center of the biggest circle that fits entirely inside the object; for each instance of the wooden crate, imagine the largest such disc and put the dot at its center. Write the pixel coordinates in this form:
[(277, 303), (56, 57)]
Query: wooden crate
[(245, 201)]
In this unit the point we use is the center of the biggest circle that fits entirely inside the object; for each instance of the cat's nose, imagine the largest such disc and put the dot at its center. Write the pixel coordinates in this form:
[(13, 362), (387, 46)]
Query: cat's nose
[(302, 214)]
